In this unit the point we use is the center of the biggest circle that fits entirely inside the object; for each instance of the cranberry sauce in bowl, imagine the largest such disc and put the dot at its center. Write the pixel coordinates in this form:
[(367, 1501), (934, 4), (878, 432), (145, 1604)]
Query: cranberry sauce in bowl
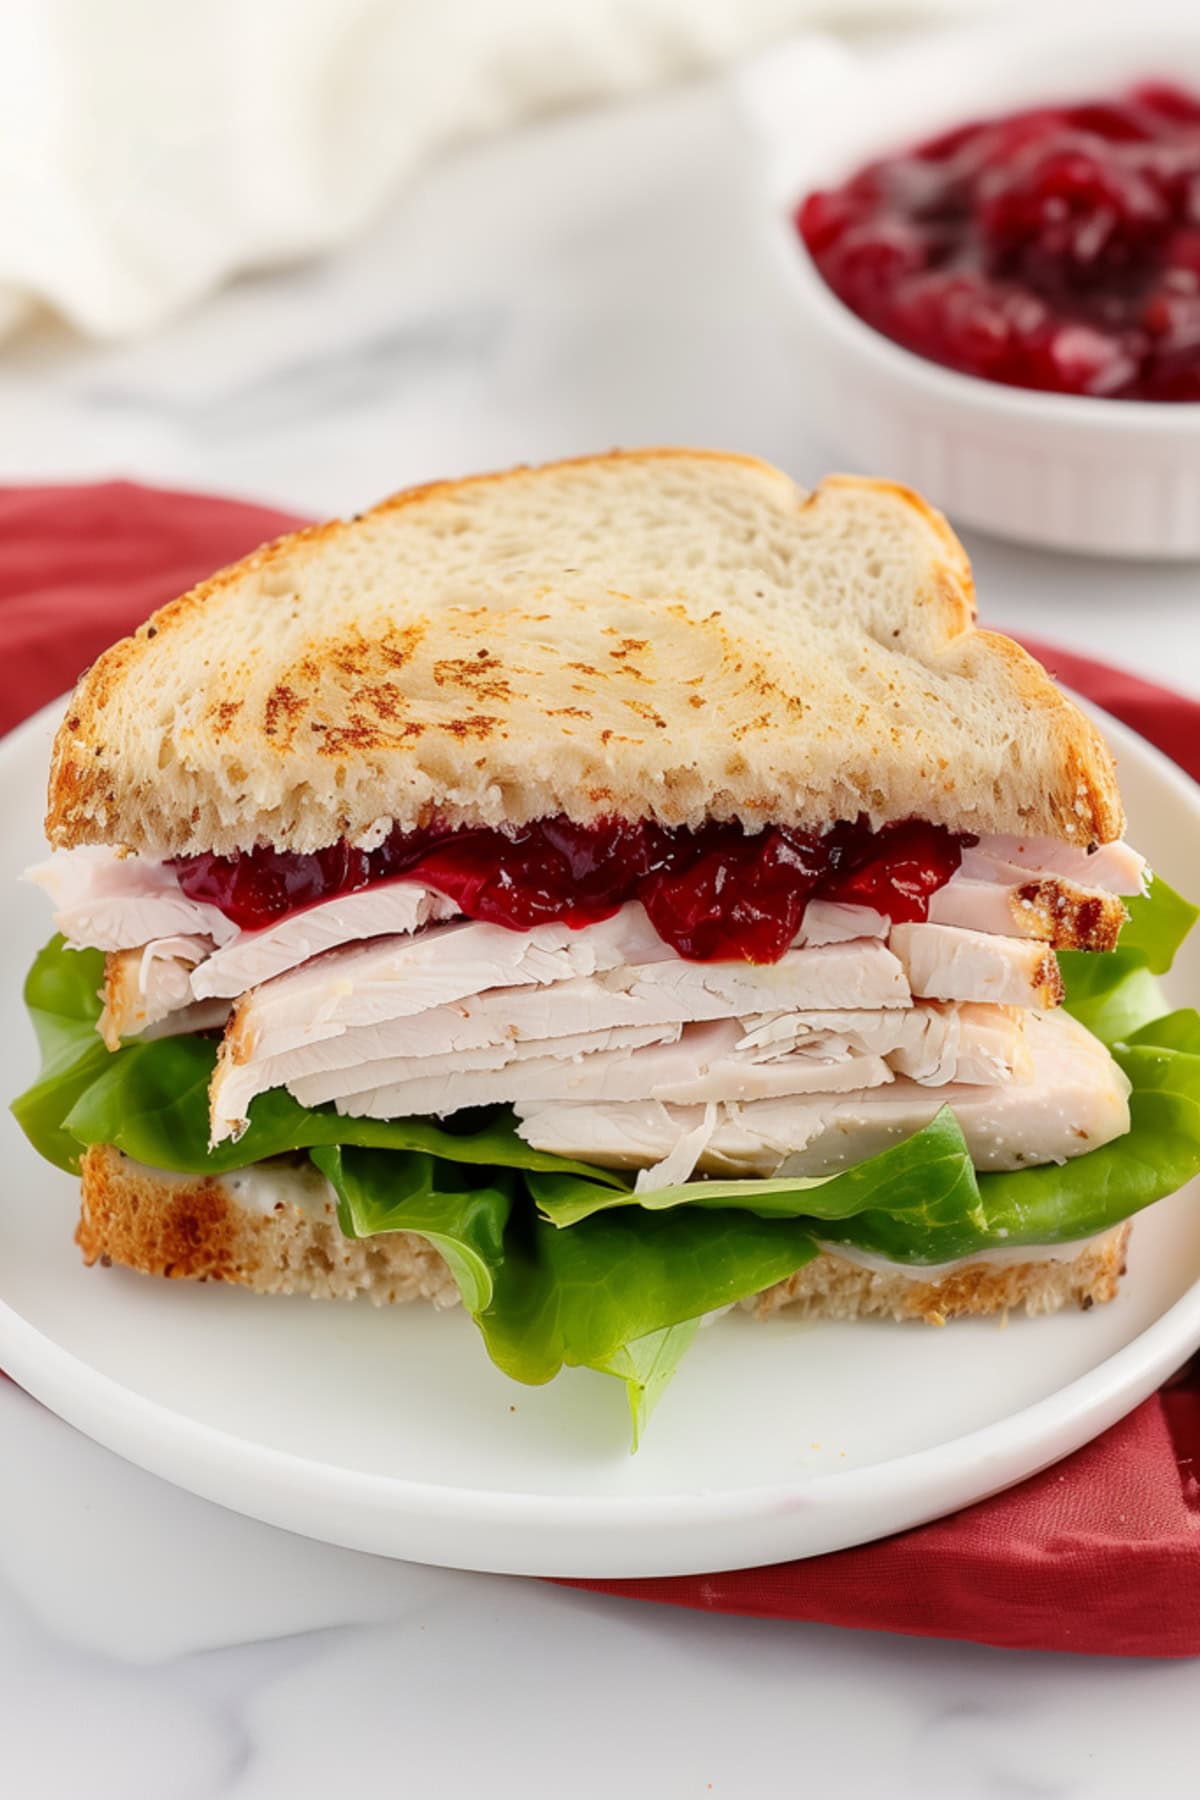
[(719, 892), (1055, 248)]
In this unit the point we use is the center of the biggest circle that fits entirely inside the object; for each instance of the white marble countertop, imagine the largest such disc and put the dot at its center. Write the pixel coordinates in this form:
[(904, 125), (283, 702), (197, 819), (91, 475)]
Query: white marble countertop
[(597, 280)]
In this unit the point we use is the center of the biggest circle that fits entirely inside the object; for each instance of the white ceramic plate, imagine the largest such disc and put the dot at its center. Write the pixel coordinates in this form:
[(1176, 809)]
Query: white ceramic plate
[(390, 1431)]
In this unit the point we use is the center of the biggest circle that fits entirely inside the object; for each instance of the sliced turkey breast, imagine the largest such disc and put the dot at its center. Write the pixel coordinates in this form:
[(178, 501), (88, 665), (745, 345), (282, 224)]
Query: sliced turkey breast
[(1051, 908), (110, 902), (946, 962), (722, 1061), (390, 909), (201, 1015), (1076, 1101), (393, 978), (694, 992), (105, 901), (129, 903), (365, 1007), (143, 987), (931, 1041), (696, 1063), (1115, 867), (835, 921), (397, 977), (969, 1042), (445, 1084), (909, 1030)]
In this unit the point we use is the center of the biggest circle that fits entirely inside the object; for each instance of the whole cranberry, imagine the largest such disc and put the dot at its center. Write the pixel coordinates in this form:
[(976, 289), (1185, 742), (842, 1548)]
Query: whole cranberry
[(744, 897), (1181, 261), (1075, 358), (1001, 142), (1169, 103), (824, 217), (873, 260), (1120, 121), (1172, 322), (1068, 211), (959, 317)]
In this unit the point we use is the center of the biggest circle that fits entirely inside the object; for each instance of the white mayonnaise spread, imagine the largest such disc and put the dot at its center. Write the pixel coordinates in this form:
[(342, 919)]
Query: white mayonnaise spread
[(264, 1186), (999, 1257), (260, 1188)]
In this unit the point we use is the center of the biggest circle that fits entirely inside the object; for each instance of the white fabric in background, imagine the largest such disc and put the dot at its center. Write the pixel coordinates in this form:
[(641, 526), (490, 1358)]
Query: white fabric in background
[(150, 149)]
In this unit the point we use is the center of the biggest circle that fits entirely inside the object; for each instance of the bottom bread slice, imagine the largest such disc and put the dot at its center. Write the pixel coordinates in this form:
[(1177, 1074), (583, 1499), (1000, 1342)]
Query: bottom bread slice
[(274, 1229)]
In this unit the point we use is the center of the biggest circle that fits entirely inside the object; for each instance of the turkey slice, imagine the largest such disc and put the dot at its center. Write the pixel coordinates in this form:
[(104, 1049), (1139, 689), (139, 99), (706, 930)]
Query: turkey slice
[(834, 921), (1051, 908), (695, 1064), (392, 908), (105, 901), (1076, 1101), (143, 988), (666, 993), (717, 1061), (461, 987), (933, 1042), (945, 962), (1115, 867)]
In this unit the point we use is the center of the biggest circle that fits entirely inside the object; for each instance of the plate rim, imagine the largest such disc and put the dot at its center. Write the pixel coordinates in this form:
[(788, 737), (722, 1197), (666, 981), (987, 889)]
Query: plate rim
[(903, 1491)]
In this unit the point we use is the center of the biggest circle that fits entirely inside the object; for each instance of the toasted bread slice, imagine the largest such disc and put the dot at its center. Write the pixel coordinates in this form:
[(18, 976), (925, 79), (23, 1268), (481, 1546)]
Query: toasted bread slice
[(277, 1233), (831, 1287), (273, 1231), (667, 633)]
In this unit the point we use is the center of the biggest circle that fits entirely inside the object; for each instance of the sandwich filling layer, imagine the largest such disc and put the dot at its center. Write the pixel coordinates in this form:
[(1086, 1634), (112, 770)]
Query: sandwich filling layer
[(432, 974), (287, 1185)]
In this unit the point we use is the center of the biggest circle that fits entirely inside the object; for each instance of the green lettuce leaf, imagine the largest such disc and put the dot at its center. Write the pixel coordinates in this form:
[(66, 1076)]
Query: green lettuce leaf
[(1113, 994), (1159, 921), (63, 1001), (908, 1202), (395, 1190), (1173, 1031), (578, 1297), (1116, 993), (618, 1294), (646, 1366)]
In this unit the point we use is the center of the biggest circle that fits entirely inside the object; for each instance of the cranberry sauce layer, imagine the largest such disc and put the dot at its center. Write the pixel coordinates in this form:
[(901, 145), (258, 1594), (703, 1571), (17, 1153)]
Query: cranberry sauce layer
[(1055, 249), (716, 893)]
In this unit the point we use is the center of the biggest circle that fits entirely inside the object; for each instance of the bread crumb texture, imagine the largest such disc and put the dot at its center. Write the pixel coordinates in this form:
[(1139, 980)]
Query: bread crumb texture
[(668, 633), (196, 1228), (832, 1288)]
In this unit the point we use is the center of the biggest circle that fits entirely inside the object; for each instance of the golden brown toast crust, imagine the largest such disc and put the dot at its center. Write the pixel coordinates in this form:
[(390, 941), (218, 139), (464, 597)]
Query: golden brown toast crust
[(192, 1228), (831, 1287), (1067, 916), (568, 696)]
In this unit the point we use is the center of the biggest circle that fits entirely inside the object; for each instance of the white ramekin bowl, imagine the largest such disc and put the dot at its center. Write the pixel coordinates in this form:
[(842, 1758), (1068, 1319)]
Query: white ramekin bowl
[(1111, 477)]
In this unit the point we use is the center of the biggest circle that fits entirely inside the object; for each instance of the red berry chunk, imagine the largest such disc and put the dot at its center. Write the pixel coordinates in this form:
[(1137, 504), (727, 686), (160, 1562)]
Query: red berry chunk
[(716, 893)]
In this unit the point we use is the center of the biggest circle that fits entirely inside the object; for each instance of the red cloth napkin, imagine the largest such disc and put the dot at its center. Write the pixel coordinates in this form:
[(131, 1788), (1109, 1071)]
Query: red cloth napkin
[(81, 566), (1100, 1553)]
